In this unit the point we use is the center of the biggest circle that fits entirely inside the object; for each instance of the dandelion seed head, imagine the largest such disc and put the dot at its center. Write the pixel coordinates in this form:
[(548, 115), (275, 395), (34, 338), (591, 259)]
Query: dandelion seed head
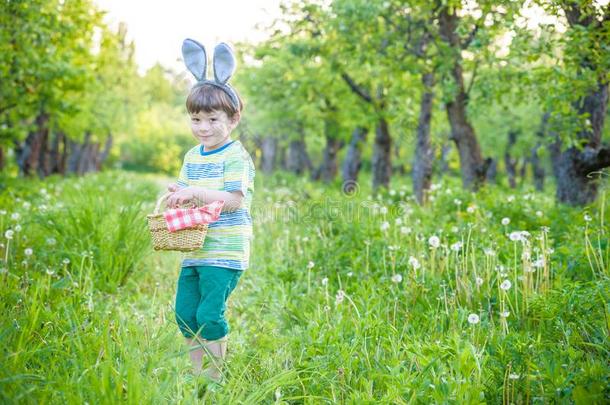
[(349, 274), (588, 218), (325, 281), (28, 251), (17, 228), (434, 241), (505, 221), (339, 297), (385, 225), (413, 262), (479, 281), (405, 230), (310, 265), (504, 314), (457, 246), (506, 284), (396, 278), (473, 319), (15, 216), (9, 234)]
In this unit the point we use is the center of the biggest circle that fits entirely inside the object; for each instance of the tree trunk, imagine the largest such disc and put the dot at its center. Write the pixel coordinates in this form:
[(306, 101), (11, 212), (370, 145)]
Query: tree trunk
[(576, 185), (472, 165), (54, 154), (352, 162), (574, 168), (329, 166), (537, 168), (382, 162), (509, 161), (298, 159), (268, 155), (74, 152), (424, 155), (104, 154), (492, 171), (28, 154)]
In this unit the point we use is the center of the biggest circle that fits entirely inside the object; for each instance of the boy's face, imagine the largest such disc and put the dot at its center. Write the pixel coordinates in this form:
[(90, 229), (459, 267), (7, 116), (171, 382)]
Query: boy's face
[(213, 129)]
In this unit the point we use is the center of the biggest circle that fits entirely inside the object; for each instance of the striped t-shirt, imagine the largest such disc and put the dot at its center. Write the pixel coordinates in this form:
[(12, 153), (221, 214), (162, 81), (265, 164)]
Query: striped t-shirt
[(228, 168)]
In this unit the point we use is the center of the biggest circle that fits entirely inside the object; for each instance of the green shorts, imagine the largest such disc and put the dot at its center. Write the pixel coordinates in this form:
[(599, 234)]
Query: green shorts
[(201, 299)]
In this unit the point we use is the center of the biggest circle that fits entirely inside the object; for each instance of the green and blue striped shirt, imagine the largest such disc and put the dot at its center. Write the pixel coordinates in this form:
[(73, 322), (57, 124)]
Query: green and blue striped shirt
[(228, 168)]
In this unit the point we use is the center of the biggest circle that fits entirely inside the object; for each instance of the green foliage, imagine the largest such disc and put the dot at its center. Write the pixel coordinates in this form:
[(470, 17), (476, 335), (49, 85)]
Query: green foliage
[(320, 316)]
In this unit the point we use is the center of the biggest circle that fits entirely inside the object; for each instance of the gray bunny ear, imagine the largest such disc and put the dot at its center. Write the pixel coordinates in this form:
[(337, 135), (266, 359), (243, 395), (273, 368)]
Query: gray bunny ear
[(224, 63), (195, 58)]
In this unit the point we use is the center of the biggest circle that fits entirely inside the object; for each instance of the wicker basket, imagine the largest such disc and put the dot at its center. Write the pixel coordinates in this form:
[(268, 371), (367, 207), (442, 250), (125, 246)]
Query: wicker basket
[(184, 240)]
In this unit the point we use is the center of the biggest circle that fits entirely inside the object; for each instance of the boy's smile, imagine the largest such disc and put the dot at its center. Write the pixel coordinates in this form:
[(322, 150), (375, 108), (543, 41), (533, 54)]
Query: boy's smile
[(212, 129)]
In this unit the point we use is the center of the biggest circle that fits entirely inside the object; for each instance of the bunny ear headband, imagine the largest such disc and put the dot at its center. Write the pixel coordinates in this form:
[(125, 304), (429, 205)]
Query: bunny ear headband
[(195, 59)]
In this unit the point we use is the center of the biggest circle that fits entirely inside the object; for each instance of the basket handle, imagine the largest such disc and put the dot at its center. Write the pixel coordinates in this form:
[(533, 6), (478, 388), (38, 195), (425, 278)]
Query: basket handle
[(164, 197), (160, 201)]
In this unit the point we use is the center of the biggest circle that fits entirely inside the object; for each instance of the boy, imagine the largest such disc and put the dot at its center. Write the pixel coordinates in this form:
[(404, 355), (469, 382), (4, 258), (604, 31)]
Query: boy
[(218, 168)]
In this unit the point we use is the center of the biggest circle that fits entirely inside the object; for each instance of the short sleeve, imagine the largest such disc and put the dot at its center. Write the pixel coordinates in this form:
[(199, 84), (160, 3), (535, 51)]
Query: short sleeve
[(182, 178), (237, 172)]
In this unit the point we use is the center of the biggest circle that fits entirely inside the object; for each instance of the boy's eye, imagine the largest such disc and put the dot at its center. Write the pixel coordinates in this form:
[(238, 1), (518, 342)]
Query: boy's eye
[(213, 119)]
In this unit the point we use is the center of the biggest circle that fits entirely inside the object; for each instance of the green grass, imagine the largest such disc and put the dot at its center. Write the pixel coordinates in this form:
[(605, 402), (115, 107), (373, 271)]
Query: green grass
[(342, 303)]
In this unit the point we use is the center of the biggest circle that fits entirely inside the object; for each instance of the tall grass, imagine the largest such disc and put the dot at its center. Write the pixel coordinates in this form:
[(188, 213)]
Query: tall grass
[(350, 299)]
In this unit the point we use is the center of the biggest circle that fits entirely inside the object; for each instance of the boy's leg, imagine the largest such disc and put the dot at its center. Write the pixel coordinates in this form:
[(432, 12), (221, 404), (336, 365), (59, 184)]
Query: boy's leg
[(216, 284), (187, 301)]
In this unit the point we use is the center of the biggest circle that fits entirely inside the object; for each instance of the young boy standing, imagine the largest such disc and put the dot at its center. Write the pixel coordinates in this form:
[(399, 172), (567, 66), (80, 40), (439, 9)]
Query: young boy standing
[(218, 168)]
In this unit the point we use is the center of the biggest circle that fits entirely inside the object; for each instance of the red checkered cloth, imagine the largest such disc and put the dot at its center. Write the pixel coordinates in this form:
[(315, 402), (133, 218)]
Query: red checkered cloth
[(182, 218)]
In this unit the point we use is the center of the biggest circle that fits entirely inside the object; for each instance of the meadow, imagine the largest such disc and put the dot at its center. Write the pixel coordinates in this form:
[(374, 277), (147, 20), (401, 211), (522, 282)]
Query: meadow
[(495, 297)]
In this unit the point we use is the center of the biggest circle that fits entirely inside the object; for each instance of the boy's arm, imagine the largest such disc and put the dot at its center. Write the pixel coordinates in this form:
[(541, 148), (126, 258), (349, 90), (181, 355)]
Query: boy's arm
[(232, 199)]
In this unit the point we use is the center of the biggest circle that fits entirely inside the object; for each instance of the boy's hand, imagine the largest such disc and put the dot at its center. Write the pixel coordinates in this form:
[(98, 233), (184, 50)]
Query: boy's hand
[(172, 187), (182, 196)]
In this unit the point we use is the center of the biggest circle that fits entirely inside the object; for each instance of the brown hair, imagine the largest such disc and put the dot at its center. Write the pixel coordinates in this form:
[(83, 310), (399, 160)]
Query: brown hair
[(208, 98)]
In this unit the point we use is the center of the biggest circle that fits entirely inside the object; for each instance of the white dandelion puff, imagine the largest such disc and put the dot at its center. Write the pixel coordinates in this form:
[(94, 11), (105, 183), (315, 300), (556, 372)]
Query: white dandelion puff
[(325, 281), (28, 251), (385, 225), (310, 265), (473, 319), (434, 241), (506, 284), (505, 221), (9, 234), (405, 230), (413, 262), (339, 297), (396, 278), (457, 246), (479, 281)]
